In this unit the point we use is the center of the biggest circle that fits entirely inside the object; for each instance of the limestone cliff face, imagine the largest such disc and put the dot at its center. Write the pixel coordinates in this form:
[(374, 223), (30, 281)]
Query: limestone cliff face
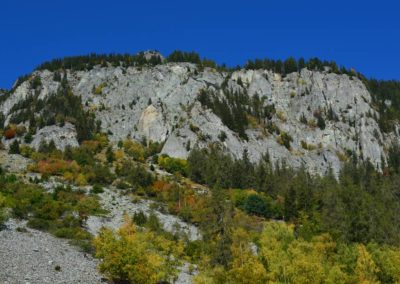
[(151, 124), (161, 104)]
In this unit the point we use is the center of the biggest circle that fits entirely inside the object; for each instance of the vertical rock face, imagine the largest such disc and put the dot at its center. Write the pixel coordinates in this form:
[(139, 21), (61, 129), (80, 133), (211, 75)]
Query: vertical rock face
[(162, 104), (151, 125)]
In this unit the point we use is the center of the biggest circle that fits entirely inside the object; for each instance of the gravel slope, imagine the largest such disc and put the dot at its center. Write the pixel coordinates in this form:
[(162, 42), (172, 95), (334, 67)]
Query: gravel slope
[(32, 257)]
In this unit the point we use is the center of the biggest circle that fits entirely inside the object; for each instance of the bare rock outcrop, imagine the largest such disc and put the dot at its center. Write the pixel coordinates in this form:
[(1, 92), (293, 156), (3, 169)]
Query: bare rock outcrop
[(61, 136), (13, 163), (162, 104)]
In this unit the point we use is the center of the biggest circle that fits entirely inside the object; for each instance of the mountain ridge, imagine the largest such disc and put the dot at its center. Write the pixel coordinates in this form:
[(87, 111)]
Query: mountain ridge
[(317, 119)]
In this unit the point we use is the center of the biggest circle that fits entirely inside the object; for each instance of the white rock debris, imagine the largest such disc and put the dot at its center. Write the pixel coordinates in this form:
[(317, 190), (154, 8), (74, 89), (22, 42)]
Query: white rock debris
[(39, 258)]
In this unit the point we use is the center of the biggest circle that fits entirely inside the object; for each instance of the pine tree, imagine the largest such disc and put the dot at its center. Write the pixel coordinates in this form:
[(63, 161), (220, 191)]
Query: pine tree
[(290, 65), (321, 122), (301, 63), (14, 147), (278, 66), (110, 154), (220, 228), (303, 119)]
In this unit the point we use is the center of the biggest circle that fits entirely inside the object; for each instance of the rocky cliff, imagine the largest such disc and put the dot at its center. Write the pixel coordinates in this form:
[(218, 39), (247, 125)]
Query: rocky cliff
[(325, 116)]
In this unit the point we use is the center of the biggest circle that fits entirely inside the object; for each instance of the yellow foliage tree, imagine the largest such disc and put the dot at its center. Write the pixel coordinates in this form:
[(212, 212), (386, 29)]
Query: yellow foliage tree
[(137, 256), (388, 260), (119, 155), (246, 267), (274, 241), (366, 268), (134, 149), (306, 263), (102, 138), (81, 180), (68, 176), (292, 260)]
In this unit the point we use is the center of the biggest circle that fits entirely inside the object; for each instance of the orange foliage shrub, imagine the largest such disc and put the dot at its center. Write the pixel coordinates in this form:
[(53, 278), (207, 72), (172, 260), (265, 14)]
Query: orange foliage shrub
[(190, 200), (56, 166), (160, 186), (184, 203), (92, 145), (10, 133), (50, 166)]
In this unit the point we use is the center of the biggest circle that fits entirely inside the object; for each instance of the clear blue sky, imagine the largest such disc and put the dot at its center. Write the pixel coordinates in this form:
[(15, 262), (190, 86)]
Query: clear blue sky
[(360, 34)]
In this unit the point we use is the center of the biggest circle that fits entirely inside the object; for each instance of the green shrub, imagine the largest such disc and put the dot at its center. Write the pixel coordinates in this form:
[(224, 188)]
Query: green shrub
[(21, 230), (173, 165), (307, 146), (255, 204), (28, 138), (14, 147), (97, 189), (342, 156), (135, 174), (153, 148), (281, 115), (135, 150), (72, 233), (285, 139), (304, 144), (122, 185), (320, 120), (39, 224), (222, 136), (194, 128), (36, 82), (140, 218), (153, 223), (102, 175), (303, 119), (99, 89), (3, 216), (194, 249)]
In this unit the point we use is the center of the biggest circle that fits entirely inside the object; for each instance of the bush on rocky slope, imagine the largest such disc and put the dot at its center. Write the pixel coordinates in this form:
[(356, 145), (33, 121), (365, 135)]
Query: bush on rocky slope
[(3, 216), (173, 165), (61, 213), (136, 255)]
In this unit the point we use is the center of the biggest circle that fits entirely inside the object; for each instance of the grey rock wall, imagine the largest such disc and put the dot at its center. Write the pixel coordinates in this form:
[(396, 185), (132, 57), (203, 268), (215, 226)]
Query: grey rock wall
[(160, 103)]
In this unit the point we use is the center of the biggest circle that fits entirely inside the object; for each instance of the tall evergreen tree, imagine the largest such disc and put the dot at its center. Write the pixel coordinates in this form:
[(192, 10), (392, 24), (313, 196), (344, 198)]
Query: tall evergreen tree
[(290, 65)]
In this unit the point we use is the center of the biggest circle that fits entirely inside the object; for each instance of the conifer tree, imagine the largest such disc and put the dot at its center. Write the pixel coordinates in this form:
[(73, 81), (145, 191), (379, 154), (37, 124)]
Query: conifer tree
[(14, 147)]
